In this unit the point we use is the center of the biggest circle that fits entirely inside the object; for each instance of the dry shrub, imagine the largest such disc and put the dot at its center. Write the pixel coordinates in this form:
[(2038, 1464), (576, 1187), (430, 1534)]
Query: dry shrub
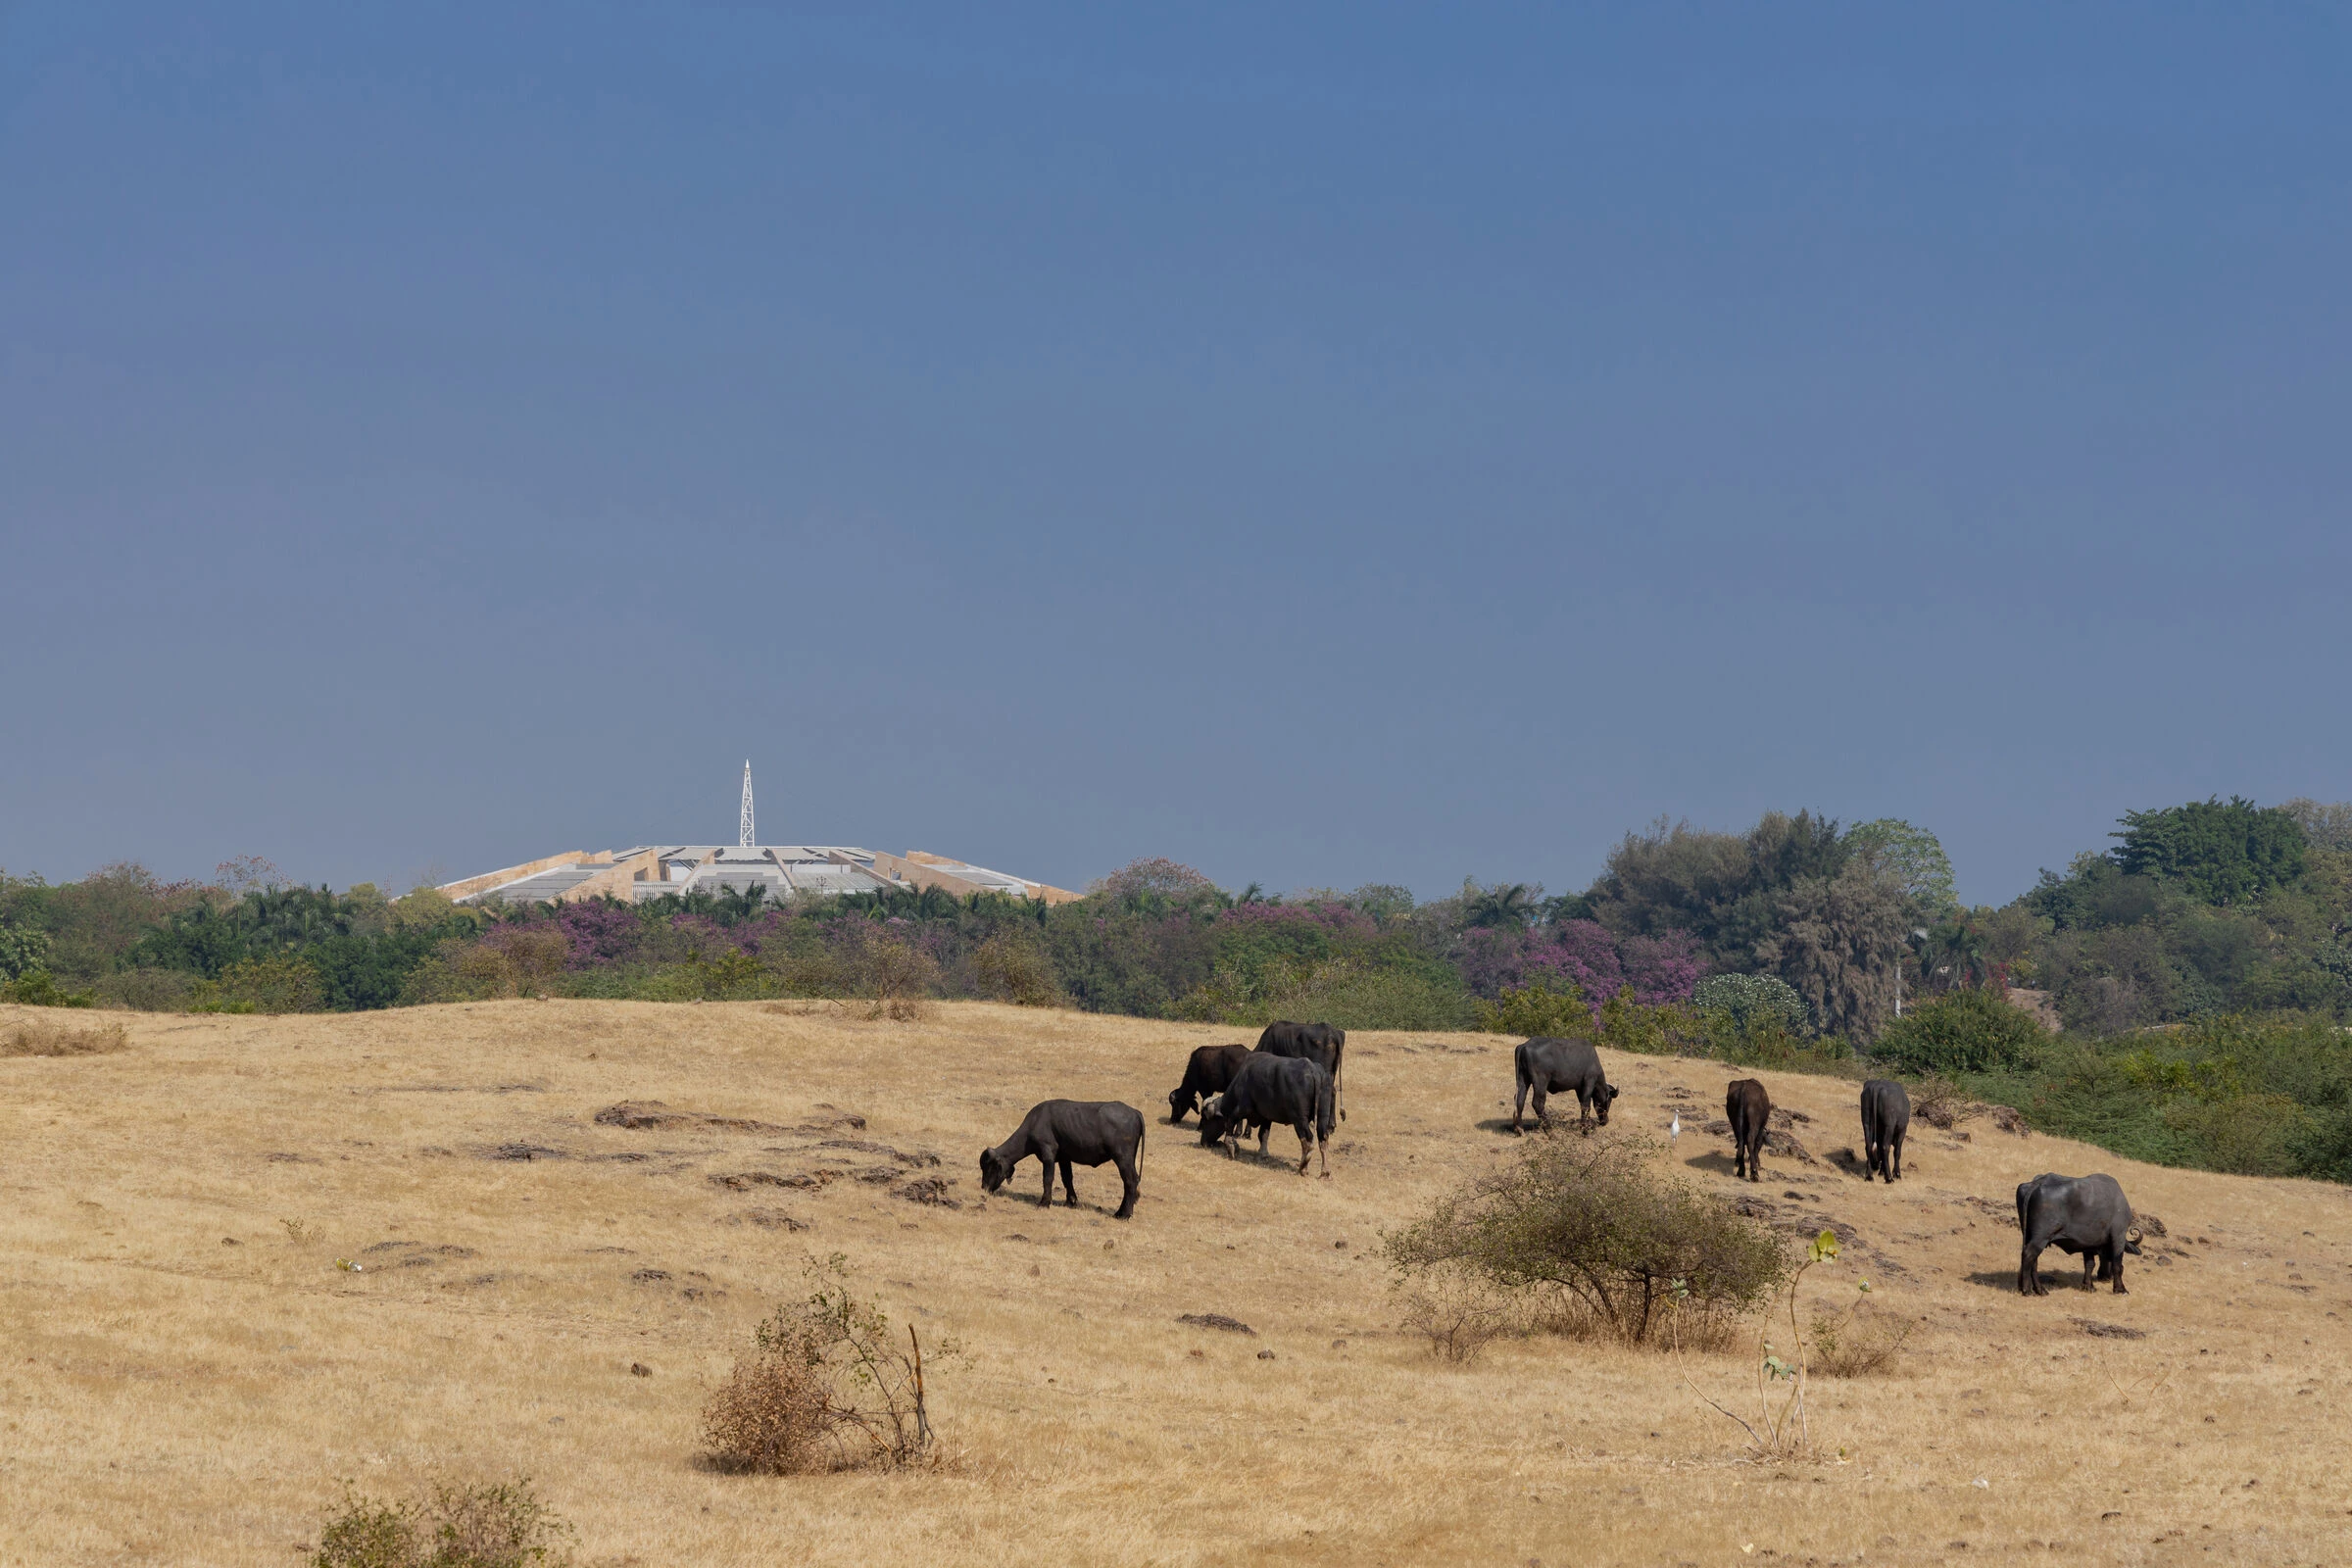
[(1863, 1341), (1009, 968), (896, 977), (1588, 1227), (1940, 1103), (1458, 1312), (147, 989), (503, 1524), (27, 1037), (824, 1387)]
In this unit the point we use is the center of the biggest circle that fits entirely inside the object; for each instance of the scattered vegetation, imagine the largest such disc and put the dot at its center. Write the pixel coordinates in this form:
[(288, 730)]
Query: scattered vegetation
[(454, 1525), (1458, 1312), (1780, 1427), (1594, 1239), (38, 1037), (825, 1386)]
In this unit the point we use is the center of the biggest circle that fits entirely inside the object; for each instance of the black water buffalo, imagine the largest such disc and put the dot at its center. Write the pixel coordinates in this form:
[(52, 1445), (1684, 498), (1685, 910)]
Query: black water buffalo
[(1072, 1131), (2084, 1215), (1269, 1089), (1885, 1118), (1748, 1108), (1561, 1066), (1209, 1070), (1319, 1043)]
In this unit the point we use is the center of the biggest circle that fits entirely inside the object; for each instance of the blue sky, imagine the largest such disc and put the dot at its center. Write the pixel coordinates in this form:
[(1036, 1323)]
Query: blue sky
[(1323, 445)]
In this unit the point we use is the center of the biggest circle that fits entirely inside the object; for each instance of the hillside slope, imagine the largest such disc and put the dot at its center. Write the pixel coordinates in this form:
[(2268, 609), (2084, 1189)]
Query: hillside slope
[(183, 1378)]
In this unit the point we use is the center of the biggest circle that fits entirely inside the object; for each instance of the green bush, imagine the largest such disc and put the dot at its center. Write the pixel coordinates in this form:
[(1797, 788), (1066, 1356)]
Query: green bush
[(1590, 1221), (1752, 1002), (147, 989), (1537, 1010), (454, 1526), (277, 984), (1962, 1030), (37, 988)]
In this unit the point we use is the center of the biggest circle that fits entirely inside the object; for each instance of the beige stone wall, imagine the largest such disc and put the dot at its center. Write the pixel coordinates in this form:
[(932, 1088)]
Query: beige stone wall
[(490, 879)]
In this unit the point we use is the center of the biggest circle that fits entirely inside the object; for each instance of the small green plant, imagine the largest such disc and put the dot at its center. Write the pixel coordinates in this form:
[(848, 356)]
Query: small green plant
[(501, 1525), (1781, 1428)]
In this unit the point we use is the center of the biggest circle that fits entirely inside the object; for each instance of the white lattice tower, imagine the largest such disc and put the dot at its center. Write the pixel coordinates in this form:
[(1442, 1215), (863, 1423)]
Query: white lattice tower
[(744, 836)]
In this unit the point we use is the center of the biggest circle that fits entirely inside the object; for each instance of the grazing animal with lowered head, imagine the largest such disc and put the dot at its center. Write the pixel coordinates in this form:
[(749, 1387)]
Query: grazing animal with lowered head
[(2081, 1215), (1885, 1118), (1550, 1067), (1207, 1072), (1748, 1108), (1319, 1043), (1072, 1131), (1271, 1089)]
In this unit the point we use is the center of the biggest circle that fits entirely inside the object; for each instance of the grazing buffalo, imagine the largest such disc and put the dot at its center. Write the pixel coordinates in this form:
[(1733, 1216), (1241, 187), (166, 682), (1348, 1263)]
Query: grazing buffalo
[(1271, 1089), (1748, 1108), (1885, 1118), (1557, 1067), (1072, 1131), (1209, 1070), (1319, 1043), (2084, 1215)]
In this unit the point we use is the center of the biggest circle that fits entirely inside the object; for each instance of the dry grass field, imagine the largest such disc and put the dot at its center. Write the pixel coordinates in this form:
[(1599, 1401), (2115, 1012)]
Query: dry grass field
[(186, 1375)]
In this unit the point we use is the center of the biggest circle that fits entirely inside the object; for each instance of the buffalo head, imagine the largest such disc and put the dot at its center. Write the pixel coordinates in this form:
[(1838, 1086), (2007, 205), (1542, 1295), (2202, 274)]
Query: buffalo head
[(1213, 1123), (993, 1170), (1601, 1103), (1181, 1102)]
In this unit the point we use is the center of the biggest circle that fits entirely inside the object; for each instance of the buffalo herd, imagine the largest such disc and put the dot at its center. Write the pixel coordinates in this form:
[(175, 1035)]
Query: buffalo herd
[(1293, 1078)]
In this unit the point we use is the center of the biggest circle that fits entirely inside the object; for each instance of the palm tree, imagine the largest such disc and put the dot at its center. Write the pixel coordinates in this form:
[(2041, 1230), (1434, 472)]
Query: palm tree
[(1500, 905)]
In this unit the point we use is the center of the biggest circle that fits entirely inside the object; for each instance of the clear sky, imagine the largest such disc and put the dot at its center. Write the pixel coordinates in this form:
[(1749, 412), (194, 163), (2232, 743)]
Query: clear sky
[(1323, 445)]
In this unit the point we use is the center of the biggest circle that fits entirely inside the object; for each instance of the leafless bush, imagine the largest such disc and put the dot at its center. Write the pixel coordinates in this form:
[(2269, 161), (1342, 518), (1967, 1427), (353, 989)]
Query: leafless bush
[(897, 978), (1459, 1313), (27, 1037), (1009, 968), (823, 1387), (1860, 1342), (1940, 1103), (455, 1525), (146, 990)]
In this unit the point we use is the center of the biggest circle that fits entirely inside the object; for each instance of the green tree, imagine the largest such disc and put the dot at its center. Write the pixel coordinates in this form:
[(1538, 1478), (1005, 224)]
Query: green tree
[(2214, 850), (1962, 1030), (1841, 944), (1916, 858)]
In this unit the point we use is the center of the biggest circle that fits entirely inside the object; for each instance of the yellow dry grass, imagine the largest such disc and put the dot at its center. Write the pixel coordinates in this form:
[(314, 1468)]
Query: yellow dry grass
[(185, 1380)]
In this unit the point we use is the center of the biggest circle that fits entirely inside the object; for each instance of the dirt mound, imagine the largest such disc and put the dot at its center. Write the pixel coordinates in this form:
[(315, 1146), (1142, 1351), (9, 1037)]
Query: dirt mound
[(806, 1181), (931, 1190), (637, 1116), (1216, 1320)]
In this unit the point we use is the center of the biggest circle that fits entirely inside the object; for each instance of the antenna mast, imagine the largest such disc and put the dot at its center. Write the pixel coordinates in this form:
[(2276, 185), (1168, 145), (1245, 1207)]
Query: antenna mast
[(744, 835)]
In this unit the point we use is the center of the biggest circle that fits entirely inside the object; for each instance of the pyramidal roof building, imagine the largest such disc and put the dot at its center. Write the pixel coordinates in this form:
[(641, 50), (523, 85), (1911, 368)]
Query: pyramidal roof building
[(655, 871)]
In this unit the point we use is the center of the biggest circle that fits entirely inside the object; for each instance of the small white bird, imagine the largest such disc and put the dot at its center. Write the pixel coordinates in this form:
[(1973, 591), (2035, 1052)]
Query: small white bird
[(1674, 1129)]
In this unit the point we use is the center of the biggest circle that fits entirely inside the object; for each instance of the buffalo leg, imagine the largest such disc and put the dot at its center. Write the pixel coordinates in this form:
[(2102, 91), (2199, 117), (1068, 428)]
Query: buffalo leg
[(1871, 1155), (1519, 1108), (1543, 1116), (1045, 1158), (2029, 1269), (1069, 1187), (1130, 1181), (1894, 1156), (1307, 1142), (2090, 1263), (2118, 1271), (1755, 1160)]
